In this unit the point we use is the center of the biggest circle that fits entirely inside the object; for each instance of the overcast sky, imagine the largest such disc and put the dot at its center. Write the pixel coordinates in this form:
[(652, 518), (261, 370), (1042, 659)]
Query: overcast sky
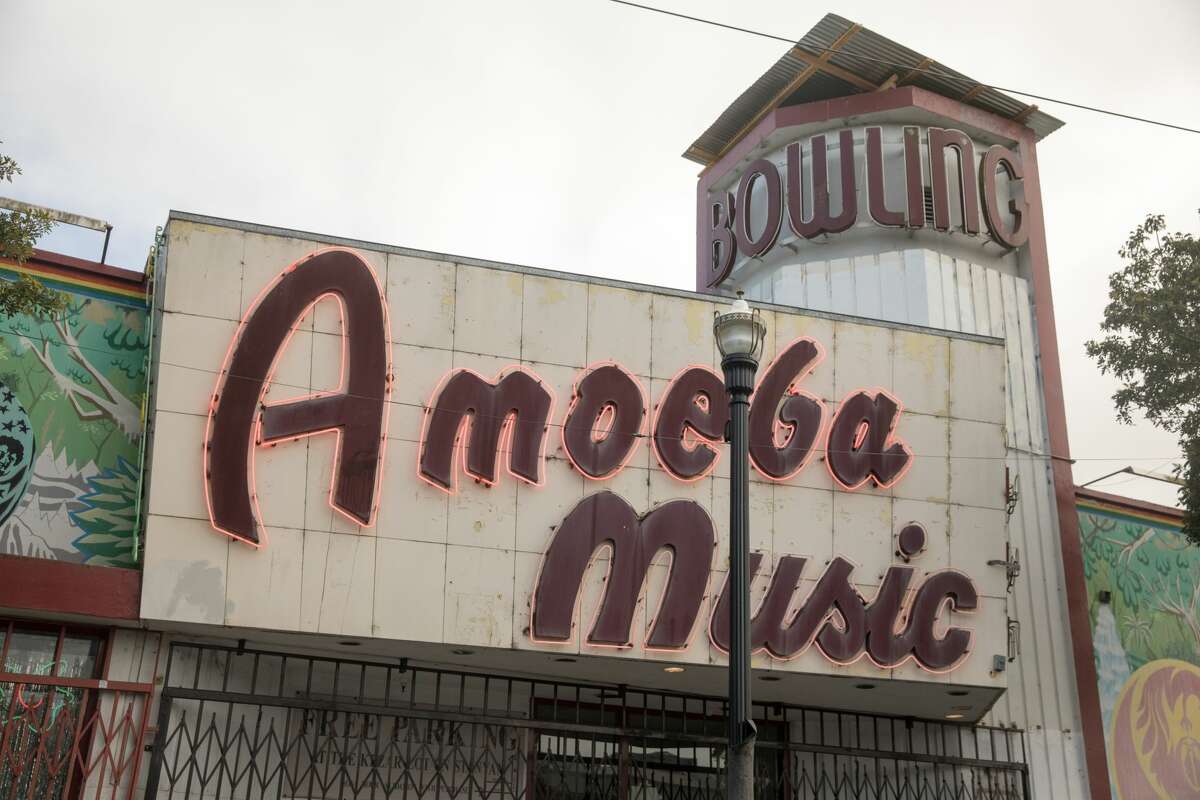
[(549, 133)]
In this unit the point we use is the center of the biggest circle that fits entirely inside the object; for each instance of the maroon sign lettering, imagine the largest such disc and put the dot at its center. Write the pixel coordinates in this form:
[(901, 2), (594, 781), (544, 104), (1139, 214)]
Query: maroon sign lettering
[(727, 228), (605, 520), (864, 628), (994, 159), (600, 432), (862, 444), (750, 245), (683, 528), (237, 423), (822, 220), (777, 404), (957, 142), (517, 402), (695, 405)]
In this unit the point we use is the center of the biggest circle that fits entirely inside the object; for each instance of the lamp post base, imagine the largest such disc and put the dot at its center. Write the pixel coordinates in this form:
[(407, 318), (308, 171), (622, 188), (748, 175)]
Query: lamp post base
[(739, 771)]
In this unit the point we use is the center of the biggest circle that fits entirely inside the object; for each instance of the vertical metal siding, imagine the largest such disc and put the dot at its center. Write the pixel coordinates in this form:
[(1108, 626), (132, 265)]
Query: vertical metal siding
[(923, 287)]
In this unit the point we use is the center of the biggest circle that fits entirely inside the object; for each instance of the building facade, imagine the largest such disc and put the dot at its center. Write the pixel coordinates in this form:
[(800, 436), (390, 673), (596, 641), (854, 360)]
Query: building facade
[(1142, 579), (408, 524)]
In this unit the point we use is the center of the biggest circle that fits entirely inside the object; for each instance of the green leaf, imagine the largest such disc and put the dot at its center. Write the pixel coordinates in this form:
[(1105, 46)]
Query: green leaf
[(110, 519)]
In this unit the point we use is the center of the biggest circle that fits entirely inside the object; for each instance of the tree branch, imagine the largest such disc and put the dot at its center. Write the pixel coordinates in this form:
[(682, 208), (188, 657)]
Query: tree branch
[(118, 410)]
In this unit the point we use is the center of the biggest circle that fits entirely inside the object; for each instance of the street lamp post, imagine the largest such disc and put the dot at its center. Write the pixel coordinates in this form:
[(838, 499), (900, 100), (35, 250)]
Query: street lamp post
[(739, 332)]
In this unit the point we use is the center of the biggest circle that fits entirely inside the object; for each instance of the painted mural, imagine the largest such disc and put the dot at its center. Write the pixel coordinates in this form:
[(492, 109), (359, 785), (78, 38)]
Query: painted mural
[(1143, 581), (71, 422)]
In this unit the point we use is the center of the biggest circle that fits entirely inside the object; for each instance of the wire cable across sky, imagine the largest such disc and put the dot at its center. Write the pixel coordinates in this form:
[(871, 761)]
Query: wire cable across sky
[(849, 52)]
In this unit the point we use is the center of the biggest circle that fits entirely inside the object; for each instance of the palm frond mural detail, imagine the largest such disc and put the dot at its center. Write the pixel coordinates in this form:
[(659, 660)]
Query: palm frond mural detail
[(110, 516)]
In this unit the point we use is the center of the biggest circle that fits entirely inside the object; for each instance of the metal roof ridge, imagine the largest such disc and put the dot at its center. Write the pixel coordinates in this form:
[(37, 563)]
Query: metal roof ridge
[(840, 58)]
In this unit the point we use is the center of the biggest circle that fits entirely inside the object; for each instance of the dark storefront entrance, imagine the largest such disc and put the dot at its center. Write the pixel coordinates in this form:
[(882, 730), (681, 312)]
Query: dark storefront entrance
[(245, 723)]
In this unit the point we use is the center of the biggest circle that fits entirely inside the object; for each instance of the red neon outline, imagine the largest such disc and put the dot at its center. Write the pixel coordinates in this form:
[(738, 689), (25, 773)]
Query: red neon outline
[(578, 640), (256, 440), (698, 440), (793, 388), (637, 435), (901, 618), (891, 439), (503, 443)]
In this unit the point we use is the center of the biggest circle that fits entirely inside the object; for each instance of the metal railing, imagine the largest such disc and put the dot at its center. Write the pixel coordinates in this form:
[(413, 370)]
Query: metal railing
[(66, 738), (237, 723)]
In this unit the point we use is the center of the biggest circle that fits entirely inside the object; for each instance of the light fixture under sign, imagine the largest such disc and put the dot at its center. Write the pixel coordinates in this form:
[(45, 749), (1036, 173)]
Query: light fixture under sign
[(673, 670)]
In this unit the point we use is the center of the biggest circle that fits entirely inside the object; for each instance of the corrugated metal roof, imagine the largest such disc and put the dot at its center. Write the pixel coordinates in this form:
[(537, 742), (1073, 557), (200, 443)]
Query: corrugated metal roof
[(861, 61)]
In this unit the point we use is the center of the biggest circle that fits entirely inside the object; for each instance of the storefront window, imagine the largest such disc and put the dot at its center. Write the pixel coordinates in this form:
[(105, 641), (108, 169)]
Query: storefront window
[(30, 652), (40, 723), (31, 649), (80, 657)]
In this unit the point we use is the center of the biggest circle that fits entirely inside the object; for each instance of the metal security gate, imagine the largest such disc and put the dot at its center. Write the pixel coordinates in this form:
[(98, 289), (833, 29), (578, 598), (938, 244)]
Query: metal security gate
[(65, 732), (237, 723)]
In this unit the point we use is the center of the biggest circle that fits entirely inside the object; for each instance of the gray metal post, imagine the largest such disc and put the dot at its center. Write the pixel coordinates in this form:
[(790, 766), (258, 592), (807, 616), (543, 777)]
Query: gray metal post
[(739, 383)]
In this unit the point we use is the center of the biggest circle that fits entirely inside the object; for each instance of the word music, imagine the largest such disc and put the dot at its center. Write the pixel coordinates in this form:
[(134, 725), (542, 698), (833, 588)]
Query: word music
[(683, 528)]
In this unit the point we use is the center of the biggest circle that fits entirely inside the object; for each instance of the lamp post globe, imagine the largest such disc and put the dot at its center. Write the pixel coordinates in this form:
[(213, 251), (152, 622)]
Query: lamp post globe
[(739, 331), (740, 334)]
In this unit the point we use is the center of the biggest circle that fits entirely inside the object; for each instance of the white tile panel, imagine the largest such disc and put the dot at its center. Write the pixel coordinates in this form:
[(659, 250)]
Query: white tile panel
[(479, 596), (921, 372), (862, 358), (893, 294), (408, 601), (868, 288), (554, 321), (981, 309), (1033, 387), (966, 296), (488, 312), (619, 328), (843, 297), (420, 297), (862, 533), (817, 286), (681, 335), (1017, 396), (916, 287), (950, 310), (348, 586), (977, 386), (177, 483), (184, 571), (205, 277), (264, 585)]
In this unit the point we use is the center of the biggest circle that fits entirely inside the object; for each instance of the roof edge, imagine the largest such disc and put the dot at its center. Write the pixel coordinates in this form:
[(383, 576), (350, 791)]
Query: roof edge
[(340, 241), (1120, 503)]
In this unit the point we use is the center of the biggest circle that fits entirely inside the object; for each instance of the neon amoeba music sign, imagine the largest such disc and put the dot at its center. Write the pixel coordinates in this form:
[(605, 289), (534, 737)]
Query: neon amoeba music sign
[(475, 424)]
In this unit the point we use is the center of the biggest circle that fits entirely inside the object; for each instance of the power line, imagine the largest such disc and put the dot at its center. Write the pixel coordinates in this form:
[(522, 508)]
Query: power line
[(846, 51)]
